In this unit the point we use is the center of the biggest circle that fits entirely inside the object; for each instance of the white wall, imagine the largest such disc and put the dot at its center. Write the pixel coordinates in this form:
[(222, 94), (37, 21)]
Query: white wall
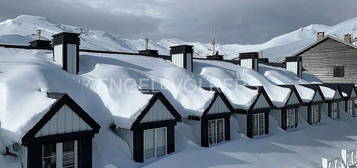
[(158, 112), (127, 135), (247, 63), (242, 122), (196, 130), (276, 114), (58, 55), (177, 59), (292, 66), (64, 121)]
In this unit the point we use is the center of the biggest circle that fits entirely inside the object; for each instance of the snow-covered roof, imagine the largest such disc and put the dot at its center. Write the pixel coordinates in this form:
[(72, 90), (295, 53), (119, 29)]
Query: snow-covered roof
[(246, 77)]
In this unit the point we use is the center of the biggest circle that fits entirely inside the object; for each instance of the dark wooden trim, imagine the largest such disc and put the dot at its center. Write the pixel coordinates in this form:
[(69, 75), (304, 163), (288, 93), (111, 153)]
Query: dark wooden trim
[(59, 103), (261, 91), (165, 102), (204, 128), (283, 118), (85, 155), (59, 138), (218, 93), (156, 124), (138, 145)]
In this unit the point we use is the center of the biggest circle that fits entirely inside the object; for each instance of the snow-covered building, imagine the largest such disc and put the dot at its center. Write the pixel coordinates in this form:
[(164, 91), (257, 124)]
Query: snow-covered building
[(349, 96), (288, 116), (313, 112), (333, 100), (151, 132), (60, 137), (213, 125), (254, 122)]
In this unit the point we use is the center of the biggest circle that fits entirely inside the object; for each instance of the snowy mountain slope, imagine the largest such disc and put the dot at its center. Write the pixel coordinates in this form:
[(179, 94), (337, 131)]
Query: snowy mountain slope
[(20, 30)]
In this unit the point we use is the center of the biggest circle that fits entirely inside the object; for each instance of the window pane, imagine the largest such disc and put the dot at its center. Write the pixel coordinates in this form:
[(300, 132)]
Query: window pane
[(261, 124), (149, 144), (68, 154), (49, 156), (255, 124), (160, 142), (211, 132), (220, 130)]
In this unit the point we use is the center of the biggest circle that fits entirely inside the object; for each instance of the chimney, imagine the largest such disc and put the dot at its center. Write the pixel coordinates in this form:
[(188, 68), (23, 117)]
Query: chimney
[(249, 60), (66, 51), (294, 64), (147, 51), (182, 56), (40, 44), (348, 38), (320, 36)]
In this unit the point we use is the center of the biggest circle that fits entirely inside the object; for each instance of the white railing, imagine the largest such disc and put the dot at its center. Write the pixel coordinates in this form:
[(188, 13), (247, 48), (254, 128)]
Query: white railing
[(348, 159)]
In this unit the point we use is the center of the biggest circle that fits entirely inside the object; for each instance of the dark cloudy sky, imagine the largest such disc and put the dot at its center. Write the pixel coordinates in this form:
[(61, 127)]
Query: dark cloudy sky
[(235, 21)]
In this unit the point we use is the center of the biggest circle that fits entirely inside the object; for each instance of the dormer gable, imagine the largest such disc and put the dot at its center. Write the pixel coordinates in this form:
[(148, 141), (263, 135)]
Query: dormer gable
[(158, 109), (219, 104), (65, 116)]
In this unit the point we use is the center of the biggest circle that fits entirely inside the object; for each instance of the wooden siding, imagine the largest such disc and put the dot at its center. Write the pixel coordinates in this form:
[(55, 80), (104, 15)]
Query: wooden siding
[(218, 107), (261, 102), (317, 97), (158, 112), (293, 100), (320, 60), (64, 121), (189, 62), (72, 58), (177, 59)]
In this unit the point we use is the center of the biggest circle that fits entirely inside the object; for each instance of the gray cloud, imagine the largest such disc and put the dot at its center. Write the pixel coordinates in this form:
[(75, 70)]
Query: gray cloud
[(235, 21)]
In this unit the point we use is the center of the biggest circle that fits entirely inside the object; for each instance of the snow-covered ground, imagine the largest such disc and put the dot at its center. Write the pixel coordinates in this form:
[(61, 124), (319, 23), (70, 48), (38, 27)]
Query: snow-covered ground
[(21, 29), (25, 75)]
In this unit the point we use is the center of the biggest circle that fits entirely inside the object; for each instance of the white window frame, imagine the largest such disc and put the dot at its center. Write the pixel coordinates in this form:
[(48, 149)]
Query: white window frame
[(215, 121), (291, 118), (334, 110), (155, 147), (256, 118), (59, 155), (315, 115)]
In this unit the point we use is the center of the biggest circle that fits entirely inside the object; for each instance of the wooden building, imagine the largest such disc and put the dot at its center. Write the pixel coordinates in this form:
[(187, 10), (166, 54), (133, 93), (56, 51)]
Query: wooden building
[(288, 116), (254, 122), (349, 96), (331, 60), (213, 125), (61, 138), (313, 112), (152, 133)]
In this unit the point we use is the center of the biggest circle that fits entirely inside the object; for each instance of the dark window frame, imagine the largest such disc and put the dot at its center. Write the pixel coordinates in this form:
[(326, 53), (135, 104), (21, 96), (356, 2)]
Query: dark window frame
[(339, 71)]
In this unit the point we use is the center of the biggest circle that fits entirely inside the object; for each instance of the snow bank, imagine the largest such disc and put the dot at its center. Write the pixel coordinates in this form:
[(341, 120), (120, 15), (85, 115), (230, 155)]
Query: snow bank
[(327, 92)]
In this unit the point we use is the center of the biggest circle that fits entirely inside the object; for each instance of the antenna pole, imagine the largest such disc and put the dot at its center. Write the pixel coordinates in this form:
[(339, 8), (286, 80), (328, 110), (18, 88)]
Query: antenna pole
[(38, 32), (146, 43)]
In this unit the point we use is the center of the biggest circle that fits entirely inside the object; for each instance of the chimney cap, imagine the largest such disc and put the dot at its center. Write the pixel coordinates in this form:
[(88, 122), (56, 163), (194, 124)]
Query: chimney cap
[(292, 59), (248, 55), (181, 49), (66, 37)]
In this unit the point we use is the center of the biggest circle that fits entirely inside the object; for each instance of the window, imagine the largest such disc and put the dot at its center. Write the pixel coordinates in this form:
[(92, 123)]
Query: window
[(338, 71), (155, 144), (258, 124), (350, 107), (315, 113), (334, 110), (60, 155), (291, 118), (215, 131)]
